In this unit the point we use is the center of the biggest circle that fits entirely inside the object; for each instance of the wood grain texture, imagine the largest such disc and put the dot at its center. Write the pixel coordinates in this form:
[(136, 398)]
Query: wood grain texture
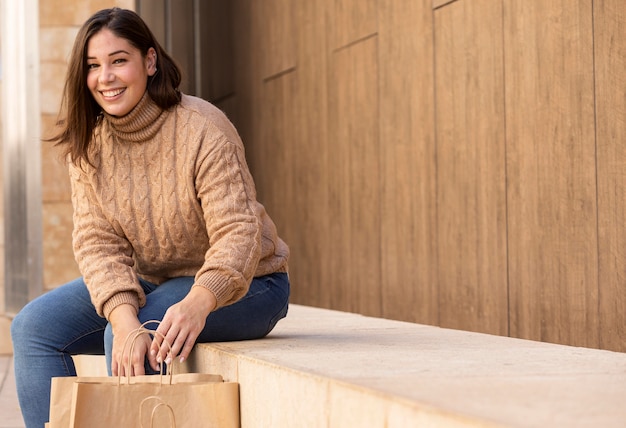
[(310, 252), (276, 155), (440, 3), (351, 20), (214, 58), (153, 13), (274, 36), (242, 106), (610, 63), (408, 215), (354, 178), (181, 44), (553, 260), (385, 219), (471, 189)]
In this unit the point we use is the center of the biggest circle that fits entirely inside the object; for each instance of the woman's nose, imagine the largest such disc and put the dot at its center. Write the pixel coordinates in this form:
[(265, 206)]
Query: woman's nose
[(106, 75)]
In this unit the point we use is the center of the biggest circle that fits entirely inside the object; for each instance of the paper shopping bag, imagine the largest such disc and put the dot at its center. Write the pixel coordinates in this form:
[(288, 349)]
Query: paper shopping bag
[(151, 405), (62, 388)]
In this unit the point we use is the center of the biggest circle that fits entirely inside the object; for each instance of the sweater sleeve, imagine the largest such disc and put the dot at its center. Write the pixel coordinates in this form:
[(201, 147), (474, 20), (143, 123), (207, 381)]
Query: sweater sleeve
[(226, 192), (104, 255)]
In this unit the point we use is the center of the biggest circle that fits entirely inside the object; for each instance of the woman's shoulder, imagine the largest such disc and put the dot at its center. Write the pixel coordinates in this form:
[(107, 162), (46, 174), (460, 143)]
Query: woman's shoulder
[(196, 105), (201, 111)]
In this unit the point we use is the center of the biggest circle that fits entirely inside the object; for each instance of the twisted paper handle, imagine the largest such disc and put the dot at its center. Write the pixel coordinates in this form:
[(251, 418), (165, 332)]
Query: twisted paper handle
[(161, 403), (132, 338)]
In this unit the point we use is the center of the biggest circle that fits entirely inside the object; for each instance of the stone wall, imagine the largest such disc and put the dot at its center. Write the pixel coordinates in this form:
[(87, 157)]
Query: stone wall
[(59, 23)]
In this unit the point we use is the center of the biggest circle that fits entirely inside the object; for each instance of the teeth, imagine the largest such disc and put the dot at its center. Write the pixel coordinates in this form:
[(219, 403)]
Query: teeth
[(112, 93)]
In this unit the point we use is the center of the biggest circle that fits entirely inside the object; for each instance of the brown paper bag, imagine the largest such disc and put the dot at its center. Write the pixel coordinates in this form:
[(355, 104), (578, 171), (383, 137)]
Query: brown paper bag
[(184, 400), (62, 388), (139, 402), (151, 405)]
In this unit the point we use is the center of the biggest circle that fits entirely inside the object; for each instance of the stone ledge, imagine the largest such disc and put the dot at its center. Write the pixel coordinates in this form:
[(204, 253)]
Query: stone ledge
[(327, 368)]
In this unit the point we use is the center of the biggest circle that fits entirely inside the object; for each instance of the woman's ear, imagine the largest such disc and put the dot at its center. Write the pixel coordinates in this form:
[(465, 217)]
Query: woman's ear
[(151, 62)]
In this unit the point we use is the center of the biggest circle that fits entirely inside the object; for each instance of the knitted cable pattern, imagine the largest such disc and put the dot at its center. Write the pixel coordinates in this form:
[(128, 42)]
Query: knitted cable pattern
[(170, 195)]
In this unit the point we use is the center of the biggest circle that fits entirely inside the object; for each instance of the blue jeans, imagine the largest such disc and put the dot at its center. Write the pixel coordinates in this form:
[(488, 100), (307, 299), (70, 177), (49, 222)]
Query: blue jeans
[(63, 322)]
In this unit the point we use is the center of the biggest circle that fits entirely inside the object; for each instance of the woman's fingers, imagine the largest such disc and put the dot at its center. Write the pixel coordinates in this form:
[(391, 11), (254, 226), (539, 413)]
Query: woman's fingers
[(176, 344), (184, 354)]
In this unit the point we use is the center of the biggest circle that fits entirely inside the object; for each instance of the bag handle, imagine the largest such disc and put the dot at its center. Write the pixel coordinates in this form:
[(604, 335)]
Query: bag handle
[(160, 403), (132, 338)]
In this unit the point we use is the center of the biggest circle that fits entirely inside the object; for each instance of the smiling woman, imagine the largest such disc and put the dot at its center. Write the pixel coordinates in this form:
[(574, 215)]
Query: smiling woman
[(118, 72), (166, 222)]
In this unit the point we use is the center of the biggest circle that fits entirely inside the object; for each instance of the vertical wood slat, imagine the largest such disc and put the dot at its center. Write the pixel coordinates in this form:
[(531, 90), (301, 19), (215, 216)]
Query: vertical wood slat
[(549, 129), (610, 62), (215, 51), (440, 3), (274, 41), (277, 153), (471, 193), (351, 20), (310, 251), (242, 103), (153, 13), (181, 43), (552, 223), (354, 178), (408, 229)]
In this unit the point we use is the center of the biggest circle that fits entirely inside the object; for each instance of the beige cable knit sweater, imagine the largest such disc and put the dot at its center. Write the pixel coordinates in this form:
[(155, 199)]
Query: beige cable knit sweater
[(170, 195)]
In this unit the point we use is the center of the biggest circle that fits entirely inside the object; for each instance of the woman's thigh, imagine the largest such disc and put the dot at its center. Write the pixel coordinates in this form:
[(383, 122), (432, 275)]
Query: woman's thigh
[(252, 317), (63, 319)]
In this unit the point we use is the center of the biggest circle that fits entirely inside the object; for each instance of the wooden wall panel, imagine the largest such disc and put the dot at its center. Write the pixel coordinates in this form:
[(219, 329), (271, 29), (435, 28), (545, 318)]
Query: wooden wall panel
[(354, 211), (440, 3), (277, 172), (274, 36), (153, 12), (553, 260), (310, 250), (405, 37), (351, 21), (471, 191), (242, 106), (215, 61), (351, 116), (610, 62), (182, 43)]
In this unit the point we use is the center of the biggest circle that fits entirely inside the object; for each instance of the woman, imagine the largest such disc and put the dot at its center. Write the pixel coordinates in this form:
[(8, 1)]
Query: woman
[(166, 222)]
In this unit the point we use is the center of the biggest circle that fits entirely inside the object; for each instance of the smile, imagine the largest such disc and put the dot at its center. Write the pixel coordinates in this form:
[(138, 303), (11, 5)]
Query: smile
[(112, 93)]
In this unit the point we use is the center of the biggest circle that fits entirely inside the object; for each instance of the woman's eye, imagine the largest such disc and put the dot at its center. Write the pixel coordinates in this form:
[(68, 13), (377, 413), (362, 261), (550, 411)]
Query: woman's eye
[(119, 61), (91, 66)]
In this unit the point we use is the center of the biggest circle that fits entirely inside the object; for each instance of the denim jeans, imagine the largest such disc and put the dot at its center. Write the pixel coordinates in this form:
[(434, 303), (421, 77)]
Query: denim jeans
[(63, 322)]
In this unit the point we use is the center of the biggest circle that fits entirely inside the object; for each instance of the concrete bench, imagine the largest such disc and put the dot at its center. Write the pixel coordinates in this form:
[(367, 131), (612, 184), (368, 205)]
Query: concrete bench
[(323, 368)]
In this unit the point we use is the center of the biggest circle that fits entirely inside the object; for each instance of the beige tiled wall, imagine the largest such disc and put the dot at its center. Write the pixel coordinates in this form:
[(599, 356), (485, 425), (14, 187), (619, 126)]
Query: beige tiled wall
[(59, 23)]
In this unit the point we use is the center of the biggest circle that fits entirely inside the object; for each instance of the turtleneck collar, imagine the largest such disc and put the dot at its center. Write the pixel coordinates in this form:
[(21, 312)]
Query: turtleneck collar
[(140, 124)]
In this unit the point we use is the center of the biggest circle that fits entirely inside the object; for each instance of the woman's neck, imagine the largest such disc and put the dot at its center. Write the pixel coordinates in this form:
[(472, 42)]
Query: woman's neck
[(140, 124)]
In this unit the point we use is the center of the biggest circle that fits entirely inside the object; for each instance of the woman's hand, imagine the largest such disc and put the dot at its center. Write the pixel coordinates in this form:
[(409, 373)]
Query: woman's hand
[(124, 321), (182, 325)]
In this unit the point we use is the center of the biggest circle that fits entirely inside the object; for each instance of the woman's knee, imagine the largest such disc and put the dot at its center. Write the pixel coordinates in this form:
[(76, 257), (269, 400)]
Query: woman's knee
[(26, 324), (17, 327)]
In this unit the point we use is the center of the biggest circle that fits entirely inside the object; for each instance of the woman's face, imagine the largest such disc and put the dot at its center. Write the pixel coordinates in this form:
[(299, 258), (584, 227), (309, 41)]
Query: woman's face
[(117, 74)]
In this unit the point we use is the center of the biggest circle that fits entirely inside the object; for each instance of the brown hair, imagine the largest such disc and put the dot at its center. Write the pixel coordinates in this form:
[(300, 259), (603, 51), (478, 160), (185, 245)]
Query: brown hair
[(80, 113)]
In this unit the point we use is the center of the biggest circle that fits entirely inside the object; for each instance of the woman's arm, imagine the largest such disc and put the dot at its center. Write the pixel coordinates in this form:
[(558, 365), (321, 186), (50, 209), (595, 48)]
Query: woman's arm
[(105, 260), (103, 254), (225, 190)]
